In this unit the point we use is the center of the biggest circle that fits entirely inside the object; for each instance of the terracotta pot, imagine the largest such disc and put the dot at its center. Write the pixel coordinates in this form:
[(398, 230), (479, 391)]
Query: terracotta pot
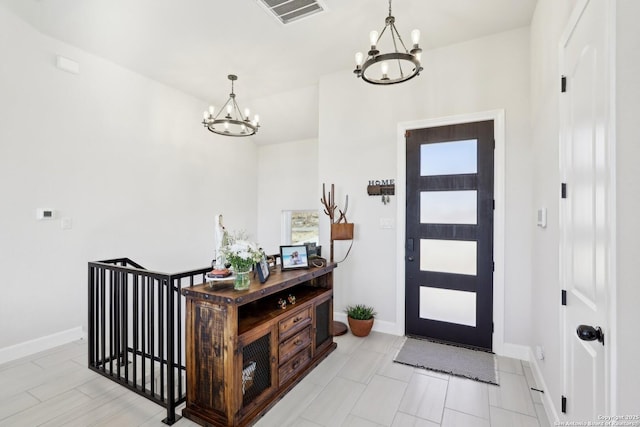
[(360, 328)]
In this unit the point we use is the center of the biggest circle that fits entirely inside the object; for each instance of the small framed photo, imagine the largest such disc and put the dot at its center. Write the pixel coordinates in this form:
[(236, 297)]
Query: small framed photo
[(262, 268), (293, 257)]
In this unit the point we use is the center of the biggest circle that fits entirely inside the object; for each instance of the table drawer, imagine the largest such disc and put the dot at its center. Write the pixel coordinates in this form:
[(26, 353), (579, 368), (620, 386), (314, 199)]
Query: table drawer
[(294, 344), (294, 323), (297, 363)]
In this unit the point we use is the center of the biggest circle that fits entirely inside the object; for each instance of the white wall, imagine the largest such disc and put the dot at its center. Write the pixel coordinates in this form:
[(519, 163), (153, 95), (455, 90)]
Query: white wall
[(287, 180), (628, 206), (122, 156), (357, 142)]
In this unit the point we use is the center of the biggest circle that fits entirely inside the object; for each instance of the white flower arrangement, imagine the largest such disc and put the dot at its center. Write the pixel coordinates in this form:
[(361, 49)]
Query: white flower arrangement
[(241, 253)]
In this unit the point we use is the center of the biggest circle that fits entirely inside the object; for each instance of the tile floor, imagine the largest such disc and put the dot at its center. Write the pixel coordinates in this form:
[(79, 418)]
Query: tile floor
[(357, 385)]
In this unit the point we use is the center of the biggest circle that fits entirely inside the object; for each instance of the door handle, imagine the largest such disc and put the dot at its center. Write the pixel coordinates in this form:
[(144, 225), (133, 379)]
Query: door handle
[(589, 333), (410, 258)]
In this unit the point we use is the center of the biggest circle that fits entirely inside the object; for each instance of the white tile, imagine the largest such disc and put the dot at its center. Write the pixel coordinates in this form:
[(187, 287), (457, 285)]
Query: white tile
[(376, 341), (333, 404), (38, 414), (394, 370), (362, 365), (431, 373), (100, 385), (348, 343), (507, 364), (156, 421), (513, 394), (68, 352), (406, 420), (354, 421), (62, 384), (327, 369), (17, 403), (503, 418), (138, 413), (292, 405), (380, 400), (458, 419), (106, 406), (301, 422), (425, 397), (468, 396)]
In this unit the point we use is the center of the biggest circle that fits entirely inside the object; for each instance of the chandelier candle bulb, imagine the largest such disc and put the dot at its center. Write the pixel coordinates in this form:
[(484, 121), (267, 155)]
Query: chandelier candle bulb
[(211, 110), (415, 37), (246, 113), (384, 67), (256, 119), (373, 38), (359, 59)]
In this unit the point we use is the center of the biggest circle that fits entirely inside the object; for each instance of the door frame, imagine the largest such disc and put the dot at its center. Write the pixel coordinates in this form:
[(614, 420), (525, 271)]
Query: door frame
[(499, 346)]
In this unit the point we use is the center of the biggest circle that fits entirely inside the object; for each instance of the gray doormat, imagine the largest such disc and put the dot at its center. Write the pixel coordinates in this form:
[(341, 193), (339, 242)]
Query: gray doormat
[(474, 364)]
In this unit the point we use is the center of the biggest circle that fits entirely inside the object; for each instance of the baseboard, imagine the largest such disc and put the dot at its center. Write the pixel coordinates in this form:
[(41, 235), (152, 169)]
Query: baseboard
[(378, 325), (28, 348), (547, 402), (515, 351)]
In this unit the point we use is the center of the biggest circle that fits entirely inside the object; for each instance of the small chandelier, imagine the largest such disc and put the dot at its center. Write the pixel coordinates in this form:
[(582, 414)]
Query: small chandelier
[(391, 69), (233, 123)]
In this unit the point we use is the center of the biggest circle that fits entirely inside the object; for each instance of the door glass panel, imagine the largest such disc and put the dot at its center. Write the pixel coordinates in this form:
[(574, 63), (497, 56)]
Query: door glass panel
[(449, 158), (448, 207), (448, 256), (447, 305)]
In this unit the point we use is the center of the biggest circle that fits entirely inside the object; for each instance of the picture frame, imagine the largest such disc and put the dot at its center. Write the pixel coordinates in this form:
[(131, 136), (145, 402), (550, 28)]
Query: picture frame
[(262, 268), (293, 257)]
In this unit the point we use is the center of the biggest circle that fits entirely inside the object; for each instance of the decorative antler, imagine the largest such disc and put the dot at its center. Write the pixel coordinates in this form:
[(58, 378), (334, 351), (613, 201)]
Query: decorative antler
[(330, 206), (343, 214)]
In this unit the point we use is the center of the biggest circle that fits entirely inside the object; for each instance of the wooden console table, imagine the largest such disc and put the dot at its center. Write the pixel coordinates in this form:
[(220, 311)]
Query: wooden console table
[(243, 351)]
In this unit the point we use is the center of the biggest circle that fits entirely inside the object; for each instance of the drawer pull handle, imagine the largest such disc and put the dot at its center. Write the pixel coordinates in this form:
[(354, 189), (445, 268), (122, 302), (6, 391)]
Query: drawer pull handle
[(297, 319), (295, 364), (298, 342)]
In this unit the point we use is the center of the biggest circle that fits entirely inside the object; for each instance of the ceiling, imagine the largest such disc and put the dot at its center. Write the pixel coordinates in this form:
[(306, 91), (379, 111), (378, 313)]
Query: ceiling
[(193, 45)]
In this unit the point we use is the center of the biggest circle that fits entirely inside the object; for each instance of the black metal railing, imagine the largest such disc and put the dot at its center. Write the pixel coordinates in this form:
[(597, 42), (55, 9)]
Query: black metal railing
[(136, 331)]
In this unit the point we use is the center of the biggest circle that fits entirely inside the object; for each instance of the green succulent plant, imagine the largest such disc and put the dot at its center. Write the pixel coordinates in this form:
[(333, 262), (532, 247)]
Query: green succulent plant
[(360, 312)]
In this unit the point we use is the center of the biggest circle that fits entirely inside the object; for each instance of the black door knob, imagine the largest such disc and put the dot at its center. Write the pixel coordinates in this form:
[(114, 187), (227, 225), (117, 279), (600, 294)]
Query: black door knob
[(589, 333), (410, 258)]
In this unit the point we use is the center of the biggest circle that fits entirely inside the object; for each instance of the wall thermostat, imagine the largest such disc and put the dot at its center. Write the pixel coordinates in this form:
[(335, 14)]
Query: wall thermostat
[(42, 213)]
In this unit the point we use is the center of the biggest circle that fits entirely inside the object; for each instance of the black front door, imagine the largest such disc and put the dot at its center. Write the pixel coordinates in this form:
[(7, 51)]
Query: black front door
[(449, 247)]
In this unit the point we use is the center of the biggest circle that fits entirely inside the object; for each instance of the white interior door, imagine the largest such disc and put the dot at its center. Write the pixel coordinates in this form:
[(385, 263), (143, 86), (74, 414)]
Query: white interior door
[(585, 214)]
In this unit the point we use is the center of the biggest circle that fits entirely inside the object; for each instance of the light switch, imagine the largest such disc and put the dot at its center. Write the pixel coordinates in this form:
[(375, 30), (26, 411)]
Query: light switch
[(66, 223), (386, 223), (542, 217)]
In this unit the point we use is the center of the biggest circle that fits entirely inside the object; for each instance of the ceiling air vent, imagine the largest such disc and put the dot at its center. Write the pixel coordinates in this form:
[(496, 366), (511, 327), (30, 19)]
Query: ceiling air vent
[(287, 11)]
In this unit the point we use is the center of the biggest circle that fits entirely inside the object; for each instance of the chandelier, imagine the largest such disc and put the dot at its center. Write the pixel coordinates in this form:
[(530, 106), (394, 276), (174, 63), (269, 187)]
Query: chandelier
[(230, 121), (394, 67)]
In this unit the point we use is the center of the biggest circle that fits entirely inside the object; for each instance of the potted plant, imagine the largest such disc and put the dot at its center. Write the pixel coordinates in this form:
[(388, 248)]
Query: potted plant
[(360, 318)]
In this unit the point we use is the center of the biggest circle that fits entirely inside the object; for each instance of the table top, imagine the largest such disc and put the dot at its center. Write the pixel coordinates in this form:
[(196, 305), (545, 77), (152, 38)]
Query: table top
[(223, 292)]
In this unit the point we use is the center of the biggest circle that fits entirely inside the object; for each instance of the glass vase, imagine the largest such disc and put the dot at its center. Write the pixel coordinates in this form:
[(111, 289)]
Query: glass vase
[(242, 280)]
